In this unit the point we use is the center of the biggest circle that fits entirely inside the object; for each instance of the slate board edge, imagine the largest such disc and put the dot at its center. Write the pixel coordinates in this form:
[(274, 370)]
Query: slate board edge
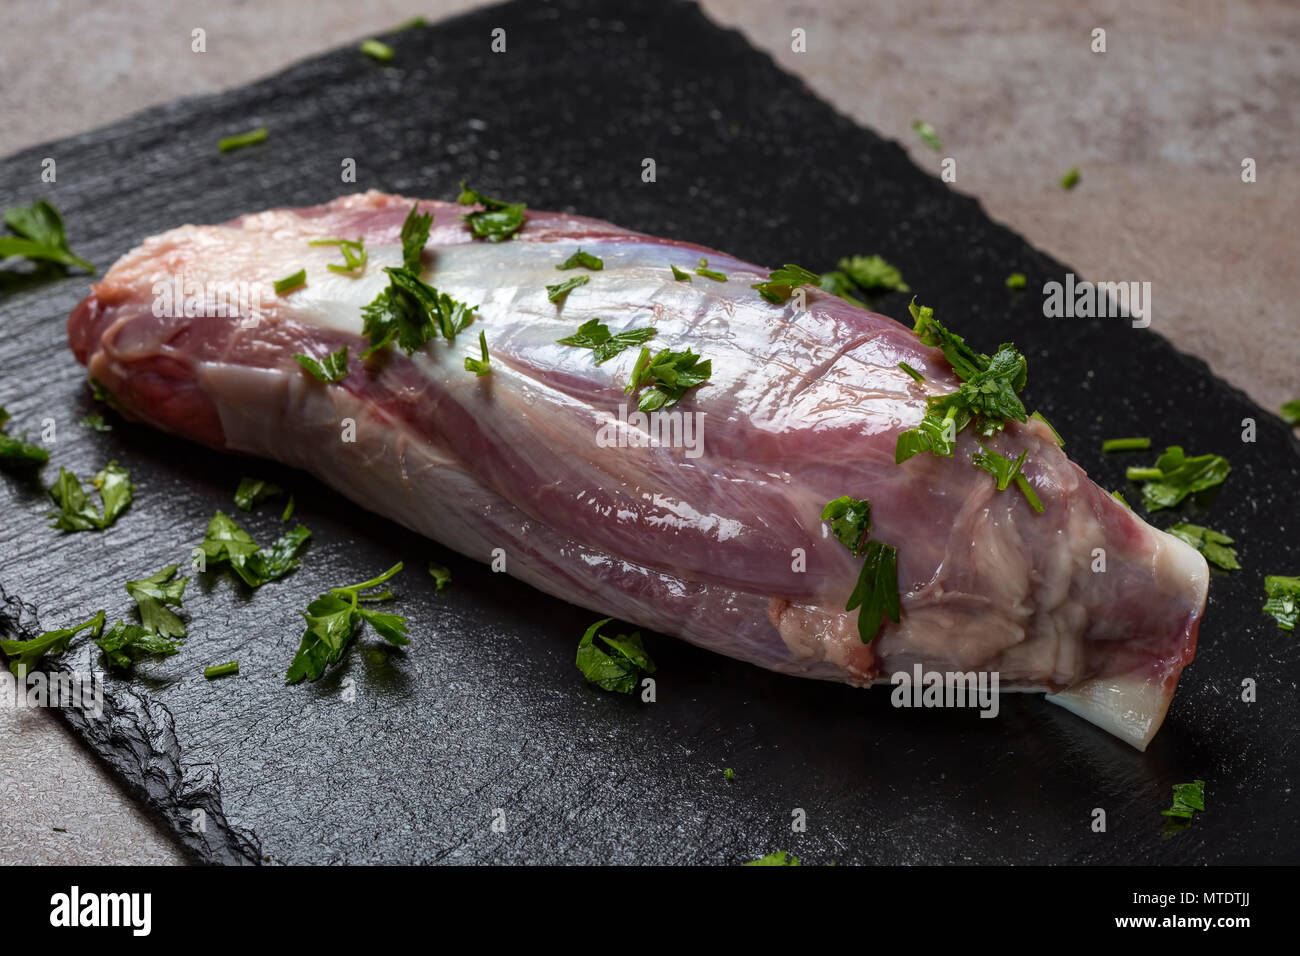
[(164, 785)]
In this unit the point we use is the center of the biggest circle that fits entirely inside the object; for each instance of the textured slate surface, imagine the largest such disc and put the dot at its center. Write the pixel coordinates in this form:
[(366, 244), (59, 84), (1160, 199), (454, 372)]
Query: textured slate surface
[(402, 756)]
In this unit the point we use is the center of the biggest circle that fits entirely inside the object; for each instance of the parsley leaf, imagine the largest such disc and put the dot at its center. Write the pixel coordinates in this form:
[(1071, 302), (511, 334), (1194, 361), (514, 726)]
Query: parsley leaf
[(779, 858), (227, 541), (380, 52), (876, 591), (916, 376), (40, 236), (927, 134), (1188, 797), (354, 255), (290, 282), (1017, 280), (595, 335), (782, 282), (872, 273), (837, 283), (1212, 544), (1283, 600), (95, 422), (483, 366), (333, 619), (850, 520), (670, 375), (1005, 471), (413, 312), (19, 451), (558, 291), (77, 512), (252, 491), (679, 274), (441, 576), (497, 221), (1175, 476), (620, 671), (1291, 413), (126, 643), (415, 235), (333, 369), (584, 259), (24, 655), (155, 596), (1071, 178), (714, 274)]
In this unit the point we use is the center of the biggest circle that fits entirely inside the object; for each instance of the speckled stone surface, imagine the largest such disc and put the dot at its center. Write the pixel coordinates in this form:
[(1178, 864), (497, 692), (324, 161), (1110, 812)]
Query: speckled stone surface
[(1154, 187)]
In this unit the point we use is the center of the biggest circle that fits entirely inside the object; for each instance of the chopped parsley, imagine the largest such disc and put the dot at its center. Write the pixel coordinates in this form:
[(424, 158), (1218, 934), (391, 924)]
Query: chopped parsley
[(927, 134), (415, 235), (781, 283), (1005, 471), (1283, 600), (155, 596), (872, 273), (354, 255), (241, 140), (876, 590), (1125, 444), (497, 221), (39, 236), (441, 576), (290, 282), (124, 644), (1120, 498), (679, 274), (837, 283), (779, 858), (728, 774), (227, 541), (619, 671), (19, 451), (1055, 434), (1071, 178), (1175, 476), (25, 655), (669, 374), (483, 366), (595, 335), (95, 422), (1188, 797), (333, 368), (1291, 412), (561, 289), (221, 670), (412, 312), (704, 270), (288, 510), (584, 259), (377, 51), (335, 618), (911, 371), (1212, 544), (1017, 280), (253, 491), (77, 512)]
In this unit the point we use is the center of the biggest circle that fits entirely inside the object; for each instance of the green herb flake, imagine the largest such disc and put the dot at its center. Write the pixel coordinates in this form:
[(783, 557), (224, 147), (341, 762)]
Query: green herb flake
[(77, 512), (1175, 476), (704, 270), (19, 452), (1017, 280), (1125, 444), (680, 275), (1007, 472), (415, 236), (124, 644), (838, 283), (582, 259), (619, 671), (221, 670), (595, 335), (243, 139), (497, 221), (333, 619), (480, 366), (155, 596), (227, 541), (95, 423), (1188, 798), (253, 491), (1071, 178), (25, 655), (850, 520), (876, 591), (872, 274), (1038, 416), (669, 375), (1212, 544), (1291, 413), (782, 282), (561, 289), (779, 858), (441, 576), (381, 52), (927, 134), (354, 255), (412, 312), (917, 376), (334, 367), (39, 236), (288, 510), (290, 282), (1283, 600), (728, 774)]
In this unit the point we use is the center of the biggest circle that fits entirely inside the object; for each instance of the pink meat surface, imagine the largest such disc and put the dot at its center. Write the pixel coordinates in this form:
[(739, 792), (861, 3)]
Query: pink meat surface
[(803, 406)]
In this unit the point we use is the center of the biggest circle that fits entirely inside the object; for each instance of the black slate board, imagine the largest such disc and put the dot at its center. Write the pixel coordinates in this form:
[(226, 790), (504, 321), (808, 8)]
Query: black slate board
[(403, 756)]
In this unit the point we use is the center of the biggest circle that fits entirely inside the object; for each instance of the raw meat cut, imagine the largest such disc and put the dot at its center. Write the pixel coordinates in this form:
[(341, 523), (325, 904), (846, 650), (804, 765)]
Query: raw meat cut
[(720, 544)]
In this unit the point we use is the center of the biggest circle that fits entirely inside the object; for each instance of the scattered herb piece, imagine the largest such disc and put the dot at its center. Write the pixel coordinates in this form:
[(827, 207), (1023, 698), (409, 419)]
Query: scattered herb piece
[(620, 671), (40, 235), (227, 541), (1055, 434), (1120, 498), (155, 596), (670, 374), (1017, 280), (584, 259), (253, 491), (25, 655), (77, 512), (850, 520), (1125, 444), (704, 270), (782, 282), (441, 575), (124, 644), (354, 255), (729, 774), (481, 366), (911, 371), (1175, 476), (1071, 178), (1291, 413), (412, 312), (837, 283), (1188, 797), (243, 139), (1005, 471), (333, 369), (498, 220), (1283, 600), (872, 273), (95, 423), (288, 510), (927, 134), (290, 282), (415, 235), (561, 289), (876, 590), (333, 619), (377, 51), (221, 670), (779, 858), (1212, 544), (680, 275), (595, 335), (19, 451)]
